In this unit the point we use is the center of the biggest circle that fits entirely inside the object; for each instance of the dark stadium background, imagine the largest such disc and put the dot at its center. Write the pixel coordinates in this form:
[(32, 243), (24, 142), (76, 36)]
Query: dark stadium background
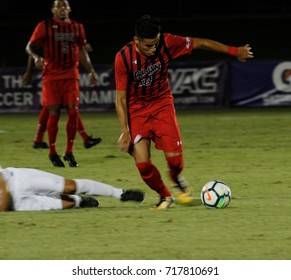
[(109, 25)]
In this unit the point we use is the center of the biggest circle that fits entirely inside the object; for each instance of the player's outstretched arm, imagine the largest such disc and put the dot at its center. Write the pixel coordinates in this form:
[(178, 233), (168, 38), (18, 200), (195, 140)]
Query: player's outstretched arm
[(242, 53)]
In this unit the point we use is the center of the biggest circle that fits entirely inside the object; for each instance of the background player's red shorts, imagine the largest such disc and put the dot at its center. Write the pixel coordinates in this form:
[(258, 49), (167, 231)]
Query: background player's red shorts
[(161, 126), (60, 92)]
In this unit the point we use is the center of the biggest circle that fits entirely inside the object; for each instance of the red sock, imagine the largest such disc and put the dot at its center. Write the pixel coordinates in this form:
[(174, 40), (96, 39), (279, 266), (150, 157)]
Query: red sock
[(71, 128), (42, 122), (52, 130), (175, 165), (81, 129), (152, 177)]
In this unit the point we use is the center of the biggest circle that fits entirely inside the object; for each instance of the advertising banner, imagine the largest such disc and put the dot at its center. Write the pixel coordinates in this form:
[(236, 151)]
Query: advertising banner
[(17, 98), (199, 84), (260, 84)]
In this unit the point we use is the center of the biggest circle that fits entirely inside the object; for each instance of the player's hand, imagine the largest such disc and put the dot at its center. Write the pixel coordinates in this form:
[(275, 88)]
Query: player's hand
[(244, 53), (88, 48), (26, 78), (94, 79), (124, 141), (38, 62)]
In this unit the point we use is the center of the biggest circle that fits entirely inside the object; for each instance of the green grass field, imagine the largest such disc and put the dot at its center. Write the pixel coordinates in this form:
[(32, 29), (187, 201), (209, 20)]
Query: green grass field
[(249, 149)]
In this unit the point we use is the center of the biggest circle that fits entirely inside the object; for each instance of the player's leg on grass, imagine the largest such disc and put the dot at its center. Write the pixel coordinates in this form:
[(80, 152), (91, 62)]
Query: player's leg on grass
[(52, 129), (88, 141), (170, 141), (150, 173), (38, 142), (183, 192), (91, 187), (71, 129)]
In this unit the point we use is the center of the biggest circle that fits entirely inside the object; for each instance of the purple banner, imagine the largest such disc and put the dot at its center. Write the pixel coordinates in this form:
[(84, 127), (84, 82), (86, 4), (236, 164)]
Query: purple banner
[(260, 83)]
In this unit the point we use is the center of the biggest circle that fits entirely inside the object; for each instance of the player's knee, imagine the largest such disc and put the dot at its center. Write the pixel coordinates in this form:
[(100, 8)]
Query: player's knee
[(145, 168), (70, 186), (68, 203), (54, 109), (73, 113)]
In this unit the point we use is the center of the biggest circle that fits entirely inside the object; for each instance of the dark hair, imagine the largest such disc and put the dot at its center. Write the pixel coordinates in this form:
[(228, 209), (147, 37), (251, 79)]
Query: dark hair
[(53, 3), (147, 27)]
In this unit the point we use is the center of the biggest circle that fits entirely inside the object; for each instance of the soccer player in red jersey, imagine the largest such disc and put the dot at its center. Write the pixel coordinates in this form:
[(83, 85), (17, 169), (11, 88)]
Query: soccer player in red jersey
[(145, 105), (43, 116), (63, 42)]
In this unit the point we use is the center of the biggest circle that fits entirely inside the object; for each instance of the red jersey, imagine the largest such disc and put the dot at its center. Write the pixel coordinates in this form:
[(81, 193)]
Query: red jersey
[(146, 78), (60, 42)]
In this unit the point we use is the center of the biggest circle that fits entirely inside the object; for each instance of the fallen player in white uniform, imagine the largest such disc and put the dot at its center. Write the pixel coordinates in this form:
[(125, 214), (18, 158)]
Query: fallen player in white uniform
[(29, 189)]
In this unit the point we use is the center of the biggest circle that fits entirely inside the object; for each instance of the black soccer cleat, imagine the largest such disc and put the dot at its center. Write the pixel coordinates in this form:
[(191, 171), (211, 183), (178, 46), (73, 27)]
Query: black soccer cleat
[(56, 161), (92, 142), (70, 159), (88, 201), (40, 145), (133, 195)]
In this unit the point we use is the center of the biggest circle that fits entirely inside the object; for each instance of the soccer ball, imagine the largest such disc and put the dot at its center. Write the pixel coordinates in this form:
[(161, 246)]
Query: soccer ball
[(216, 194)]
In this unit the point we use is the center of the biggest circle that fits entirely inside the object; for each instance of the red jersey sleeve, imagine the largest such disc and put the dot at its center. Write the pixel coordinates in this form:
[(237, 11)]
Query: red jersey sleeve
[(38, 34), (178, 45), (82, 39)]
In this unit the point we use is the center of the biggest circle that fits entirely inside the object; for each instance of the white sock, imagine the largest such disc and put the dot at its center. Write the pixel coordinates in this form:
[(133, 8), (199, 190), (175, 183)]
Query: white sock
[(91, 187), (77, 199)]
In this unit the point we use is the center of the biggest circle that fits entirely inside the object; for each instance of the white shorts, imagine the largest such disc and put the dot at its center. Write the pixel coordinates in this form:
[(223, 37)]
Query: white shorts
[(33, 189)]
